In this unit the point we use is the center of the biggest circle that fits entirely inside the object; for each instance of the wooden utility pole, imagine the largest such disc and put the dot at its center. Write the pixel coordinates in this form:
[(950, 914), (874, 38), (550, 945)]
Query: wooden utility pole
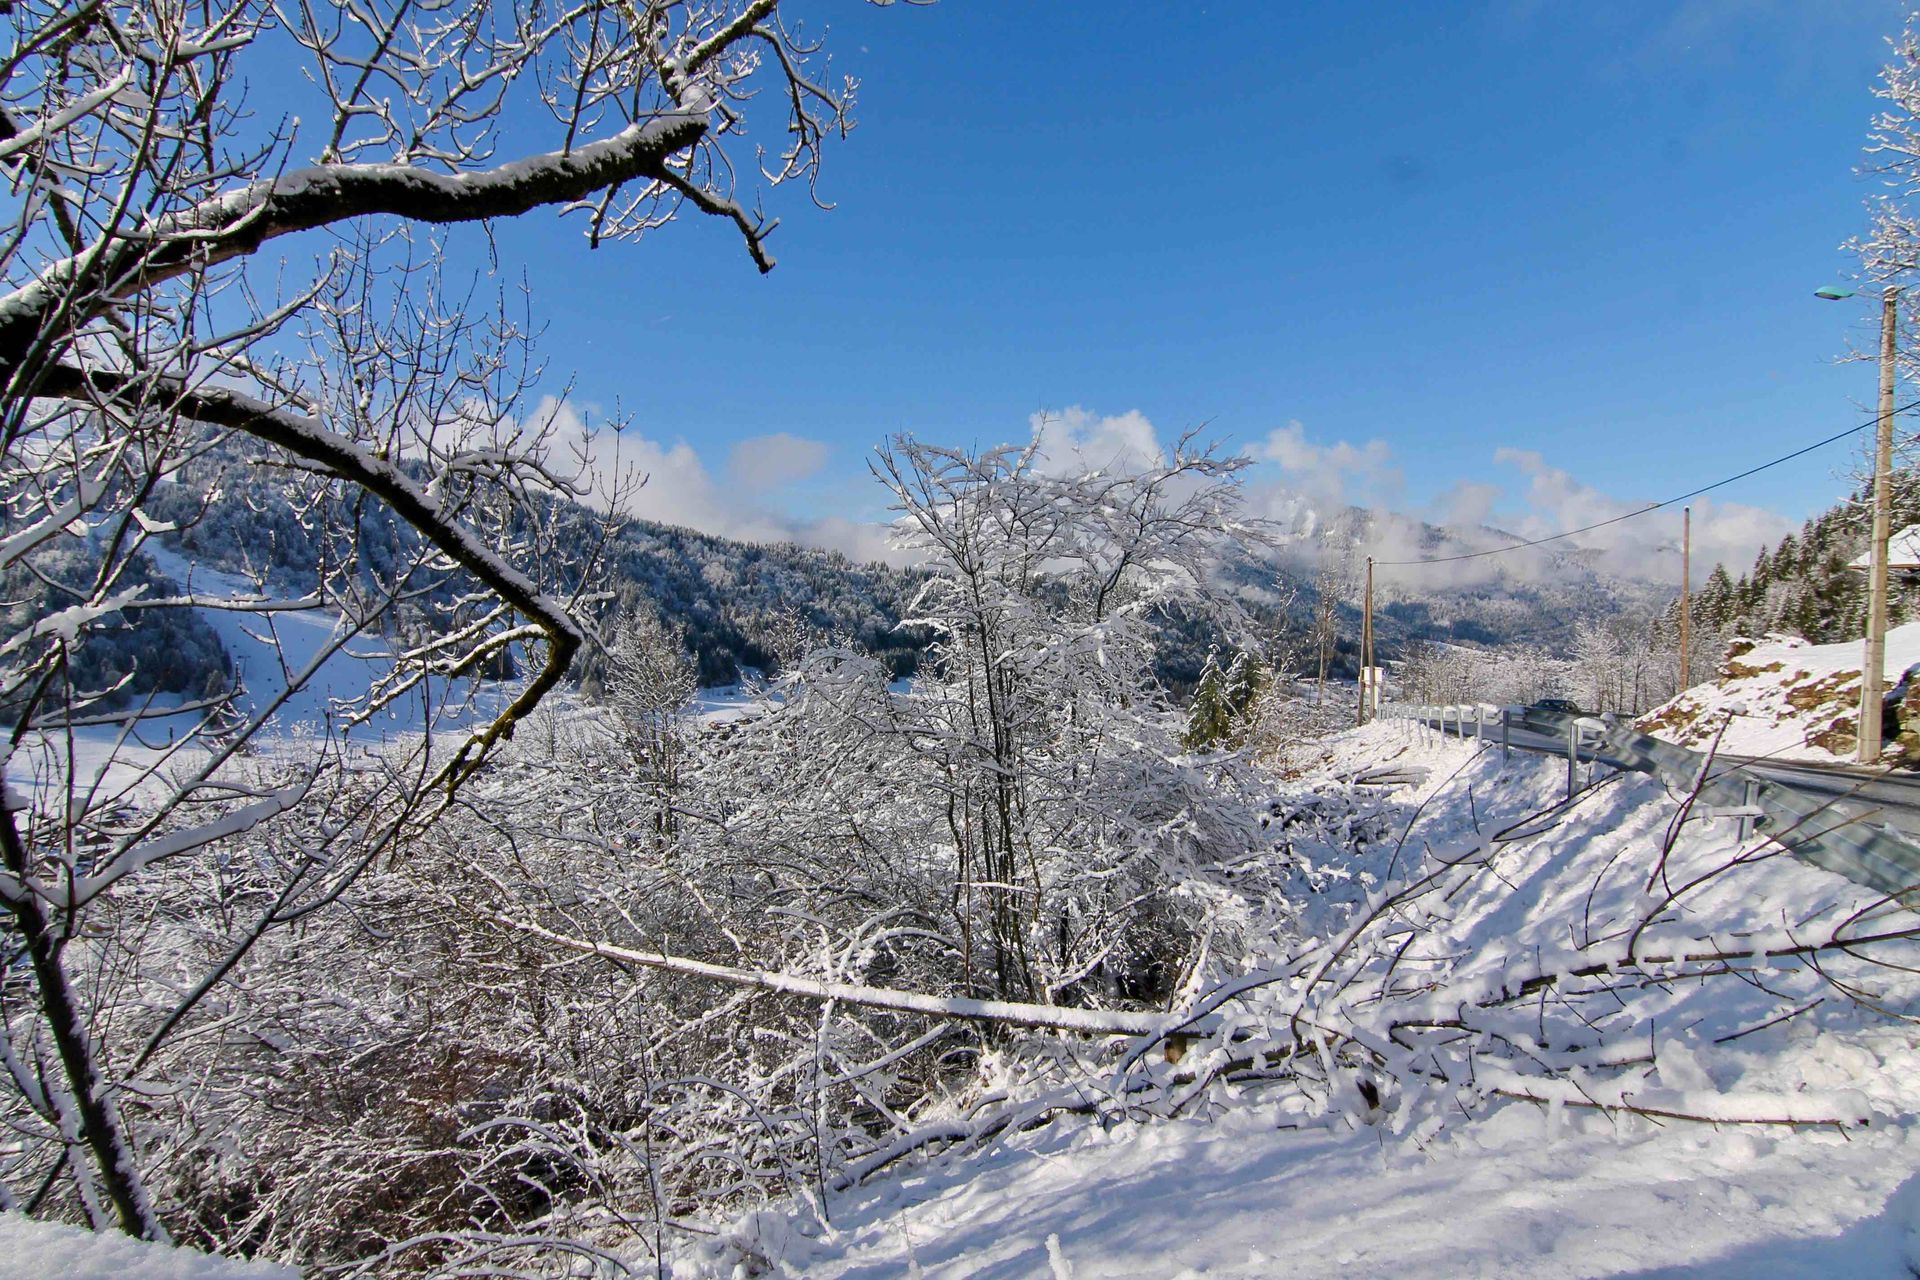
[(1366, 648), (1686, 598), (1873, 673)]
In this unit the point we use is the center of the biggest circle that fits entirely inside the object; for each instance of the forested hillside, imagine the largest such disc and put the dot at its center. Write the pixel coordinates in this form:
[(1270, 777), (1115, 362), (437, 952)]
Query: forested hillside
[(730, 599), (133, 653), (1801, 586), (738, 604)]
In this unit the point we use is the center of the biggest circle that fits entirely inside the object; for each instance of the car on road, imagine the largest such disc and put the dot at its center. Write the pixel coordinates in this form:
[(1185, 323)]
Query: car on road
[(1559, 706)]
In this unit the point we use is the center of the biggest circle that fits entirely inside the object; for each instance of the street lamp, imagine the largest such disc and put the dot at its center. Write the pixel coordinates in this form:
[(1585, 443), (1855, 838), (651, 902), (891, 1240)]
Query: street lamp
[(1873, 672)]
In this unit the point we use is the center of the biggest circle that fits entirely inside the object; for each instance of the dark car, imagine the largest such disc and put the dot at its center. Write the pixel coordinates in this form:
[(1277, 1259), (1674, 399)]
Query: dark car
[(1559, 706)]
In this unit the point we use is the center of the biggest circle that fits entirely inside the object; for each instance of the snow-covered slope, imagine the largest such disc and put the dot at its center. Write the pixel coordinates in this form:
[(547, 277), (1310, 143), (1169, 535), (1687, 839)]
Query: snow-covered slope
[(272, 649), (1450, 1179), (1785, 698), (33, 1250), (1522, 1196)]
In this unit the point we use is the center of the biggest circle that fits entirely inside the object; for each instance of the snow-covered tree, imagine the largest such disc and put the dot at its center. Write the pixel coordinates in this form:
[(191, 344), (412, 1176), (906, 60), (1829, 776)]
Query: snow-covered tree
[(1326, 622), (1041, 722), (1209, 716), (1890, 251), (227, 234), (648, 680)]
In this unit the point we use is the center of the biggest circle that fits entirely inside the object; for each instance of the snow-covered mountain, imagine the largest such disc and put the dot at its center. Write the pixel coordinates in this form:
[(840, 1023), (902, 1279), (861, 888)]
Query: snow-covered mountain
[(1535, 597), (730, 598)]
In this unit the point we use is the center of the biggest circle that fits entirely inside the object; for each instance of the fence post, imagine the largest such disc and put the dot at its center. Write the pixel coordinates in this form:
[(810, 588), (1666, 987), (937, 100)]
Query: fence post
[(1749, 799), (1573, 754), (1506, 735)]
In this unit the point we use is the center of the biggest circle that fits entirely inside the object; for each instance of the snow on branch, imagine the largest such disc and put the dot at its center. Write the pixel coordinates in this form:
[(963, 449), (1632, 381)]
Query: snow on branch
[(237, 224), (1112, 1022), (1839, 1108), (310, 439)]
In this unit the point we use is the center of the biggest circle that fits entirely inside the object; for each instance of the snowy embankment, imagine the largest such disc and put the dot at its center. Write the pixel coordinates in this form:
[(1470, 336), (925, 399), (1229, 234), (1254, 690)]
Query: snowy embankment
[(1787, 699), (34, 1250), (1555, 1082)]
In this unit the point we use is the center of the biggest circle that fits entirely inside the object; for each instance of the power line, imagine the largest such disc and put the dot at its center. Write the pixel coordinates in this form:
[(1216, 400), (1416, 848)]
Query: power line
[(1652, 506)]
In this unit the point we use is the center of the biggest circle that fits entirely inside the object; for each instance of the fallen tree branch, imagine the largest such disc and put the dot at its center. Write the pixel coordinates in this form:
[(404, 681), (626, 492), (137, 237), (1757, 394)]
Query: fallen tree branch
[(1116, 1022), (1842, 1110)]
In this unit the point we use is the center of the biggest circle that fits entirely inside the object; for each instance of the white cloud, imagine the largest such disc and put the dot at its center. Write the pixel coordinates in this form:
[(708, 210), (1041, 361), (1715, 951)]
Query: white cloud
[(1646, 546), (1332, 476), (1307, 484), (772, 462), (1075, 439), (1468, 504), (678, 489)]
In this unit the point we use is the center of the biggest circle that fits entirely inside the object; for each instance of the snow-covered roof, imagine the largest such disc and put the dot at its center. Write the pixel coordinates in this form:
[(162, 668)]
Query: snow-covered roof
[(1903, 551)]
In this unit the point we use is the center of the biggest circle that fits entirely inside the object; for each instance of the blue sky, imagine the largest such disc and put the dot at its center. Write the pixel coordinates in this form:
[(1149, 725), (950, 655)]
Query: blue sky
[(1587, 232)]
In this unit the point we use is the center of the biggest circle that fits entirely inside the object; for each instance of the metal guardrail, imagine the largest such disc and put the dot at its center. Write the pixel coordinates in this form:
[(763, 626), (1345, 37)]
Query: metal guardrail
[(1837, 834)]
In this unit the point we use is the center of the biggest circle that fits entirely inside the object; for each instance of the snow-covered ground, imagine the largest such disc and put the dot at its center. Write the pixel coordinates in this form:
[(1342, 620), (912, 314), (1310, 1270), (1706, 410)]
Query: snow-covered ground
[(1474, 1182), (1521, 1194), (271, 649), (1783, 698), (724, 704), (35, 1250)]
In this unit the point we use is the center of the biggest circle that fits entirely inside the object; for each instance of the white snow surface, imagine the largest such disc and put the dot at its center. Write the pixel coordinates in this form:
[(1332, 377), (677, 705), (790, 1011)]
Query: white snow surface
[(269, 649), (35, 1250), (1263, 1188), (1520, 1196), (1782, 698)]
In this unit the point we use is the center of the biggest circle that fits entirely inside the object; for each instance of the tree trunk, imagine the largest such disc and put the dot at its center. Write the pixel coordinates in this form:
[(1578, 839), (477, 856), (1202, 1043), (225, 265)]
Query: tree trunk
[(102, 1131)]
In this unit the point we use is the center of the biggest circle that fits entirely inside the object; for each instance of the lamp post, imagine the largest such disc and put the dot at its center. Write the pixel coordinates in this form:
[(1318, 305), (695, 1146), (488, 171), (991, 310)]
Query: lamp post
[(1873, 671)]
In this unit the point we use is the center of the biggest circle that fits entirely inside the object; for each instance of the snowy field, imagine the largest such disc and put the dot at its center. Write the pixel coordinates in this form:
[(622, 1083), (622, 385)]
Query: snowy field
[(1474, 1182), (271, 650), (1784, 699)]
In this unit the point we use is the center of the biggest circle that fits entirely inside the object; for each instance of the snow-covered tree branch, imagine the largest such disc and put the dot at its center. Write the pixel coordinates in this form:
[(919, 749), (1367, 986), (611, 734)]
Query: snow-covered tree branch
[(220, 262)]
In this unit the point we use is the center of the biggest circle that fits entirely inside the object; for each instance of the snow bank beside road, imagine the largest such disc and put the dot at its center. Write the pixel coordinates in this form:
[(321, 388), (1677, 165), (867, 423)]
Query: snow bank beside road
[(1788, 699), (1522, 1195)]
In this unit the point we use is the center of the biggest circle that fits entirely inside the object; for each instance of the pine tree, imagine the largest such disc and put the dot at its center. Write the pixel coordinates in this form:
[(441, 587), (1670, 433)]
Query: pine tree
[(1785, 561), (1210, 718), (1247, 678), (1804, 584), (1717, 598)]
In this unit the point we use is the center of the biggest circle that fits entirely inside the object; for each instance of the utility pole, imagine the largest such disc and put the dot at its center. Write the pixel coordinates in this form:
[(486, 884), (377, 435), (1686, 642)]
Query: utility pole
[(1366, 648), (1873, 673), (1686, 598)]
